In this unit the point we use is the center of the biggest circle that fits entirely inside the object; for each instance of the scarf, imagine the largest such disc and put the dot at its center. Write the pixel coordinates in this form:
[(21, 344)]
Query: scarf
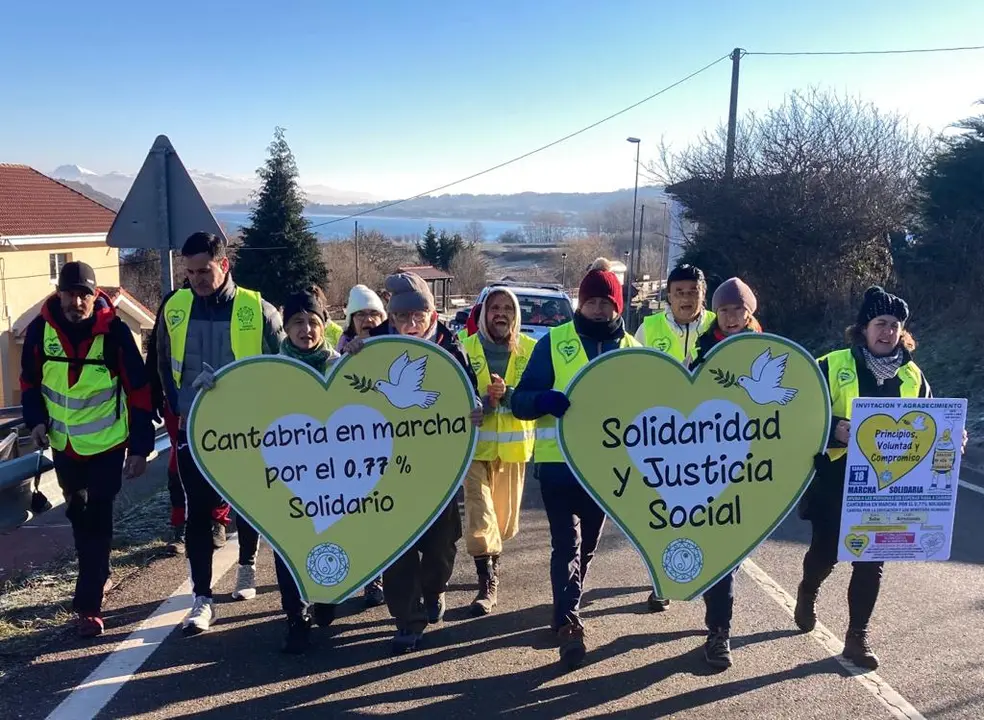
[(883, 368), (599, 330), (318, 357)]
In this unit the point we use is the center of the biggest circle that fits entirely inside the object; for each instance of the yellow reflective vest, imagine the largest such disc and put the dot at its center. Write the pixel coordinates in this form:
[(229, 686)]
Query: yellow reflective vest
[(659, 335), (502, 436), (333, 333), (246, 328), (92, 414), (568, 356), (842, 377)]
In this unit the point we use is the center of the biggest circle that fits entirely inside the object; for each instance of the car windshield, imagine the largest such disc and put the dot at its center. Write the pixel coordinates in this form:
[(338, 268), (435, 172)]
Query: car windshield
[(549, 312)]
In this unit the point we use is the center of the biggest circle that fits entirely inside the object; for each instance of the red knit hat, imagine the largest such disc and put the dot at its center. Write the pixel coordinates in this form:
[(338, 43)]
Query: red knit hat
[(601, 283)]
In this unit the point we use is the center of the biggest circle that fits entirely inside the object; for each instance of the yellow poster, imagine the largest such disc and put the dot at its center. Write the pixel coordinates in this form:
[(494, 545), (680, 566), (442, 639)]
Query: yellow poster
[(697, 469), (340, 474)]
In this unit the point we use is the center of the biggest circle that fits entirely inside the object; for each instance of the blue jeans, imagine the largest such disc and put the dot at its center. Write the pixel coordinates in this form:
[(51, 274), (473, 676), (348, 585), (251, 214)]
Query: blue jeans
[(719, 603), (576, 523)]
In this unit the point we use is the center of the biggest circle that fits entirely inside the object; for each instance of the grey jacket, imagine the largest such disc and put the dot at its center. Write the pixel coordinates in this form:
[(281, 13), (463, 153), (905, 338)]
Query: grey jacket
[(209, 341)]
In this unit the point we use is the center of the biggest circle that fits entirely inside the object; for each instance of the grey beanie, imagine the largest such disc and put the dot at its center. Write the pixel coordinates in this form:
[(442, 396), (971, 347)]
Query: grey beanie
[(409, 293), (734, 291)]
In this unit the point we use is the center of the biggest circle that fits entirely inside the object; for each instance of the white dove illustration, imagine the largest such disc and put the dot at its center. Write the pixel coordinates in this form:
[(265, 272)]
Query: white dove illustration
[(764, 386), (405, 378)]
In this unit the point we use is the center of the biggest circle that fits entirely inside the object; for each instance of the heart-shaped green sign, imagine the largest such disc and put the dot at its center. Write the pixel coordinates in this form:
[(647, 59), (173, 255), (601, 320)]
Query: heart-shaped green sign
[(340, 474), (697, 469)]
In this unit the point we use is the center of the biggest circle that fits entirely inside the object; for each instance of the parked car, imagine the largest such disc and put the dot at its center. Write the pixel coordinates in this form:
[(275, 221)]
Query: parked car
[(542, 306)]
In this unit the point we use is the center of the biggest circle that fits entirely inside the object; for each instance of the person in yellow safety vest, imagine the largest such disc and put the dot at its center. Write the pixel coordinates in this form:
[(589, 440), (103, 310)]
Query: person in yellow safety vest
[(675, 331), (877, 363), (205, 328), (84, 393), (575, 519), (498, 354)]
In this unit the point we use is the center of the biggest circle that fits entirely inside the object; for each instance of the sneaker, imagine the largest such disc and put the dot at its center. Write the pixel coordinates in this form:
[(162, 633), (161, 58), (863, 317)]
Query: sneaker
[(218, 535), (176, 546), (406, 641), (858, 651), (245, 583), (323, 614), (298, 639), (435, 608), (201, 616), (805, 614), (373, 593), (90, 626), (657, 604), (572, 648), (717, 649)]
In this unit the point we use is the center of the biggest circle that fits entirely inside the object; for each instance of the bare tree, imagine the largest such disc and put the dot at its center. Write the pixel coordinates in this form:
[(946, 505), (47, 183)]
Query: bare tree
[(470, 269), (474, 233), (581, 252), (546, 228)]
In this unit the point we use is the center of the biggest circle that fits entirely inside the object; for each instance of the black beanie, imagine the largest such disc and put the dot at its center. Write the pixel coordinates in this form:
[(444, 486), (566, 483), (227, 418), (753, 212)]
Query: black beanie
[(685, 273), (307, 300), (879, 302)]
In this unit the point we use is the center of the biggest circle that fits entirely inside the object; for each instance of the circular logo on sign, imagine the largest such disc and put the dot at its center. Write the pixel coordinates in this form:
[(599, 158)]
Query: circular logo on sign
[(327, 564), (683, 560)]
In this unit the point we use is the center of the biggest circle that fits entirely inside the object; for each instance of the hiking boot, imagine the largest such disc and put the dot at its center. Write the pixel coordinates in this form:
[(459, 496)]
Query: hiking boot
[(406, 641), (435, 607), (323, 614), (805, 614), (373, 593), (245, 583), (657, 604), (218, 535), (487, 587), (90, 626), (201, 616), (298, 639), (858, 651), (176, 546), (717, 649), (571, 645)]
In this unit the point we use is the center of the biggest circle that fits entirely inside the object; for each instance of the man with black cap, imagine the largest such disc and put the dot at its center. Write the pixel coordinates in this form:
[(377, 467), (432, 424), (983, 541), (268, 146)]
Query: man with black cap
[(84, 392)]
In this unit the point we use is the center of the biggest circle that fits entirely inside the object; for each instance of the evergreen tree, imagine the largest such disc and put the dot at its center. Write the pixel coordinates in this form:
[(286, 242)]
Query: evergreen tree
[(450, 246), (429, 248), (277, 222)]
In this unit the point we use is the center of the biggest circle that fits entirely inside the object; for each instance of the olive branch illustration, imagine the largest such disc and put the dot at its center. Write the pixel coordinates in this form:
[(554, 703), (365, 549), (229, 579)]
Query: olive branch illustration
[(724, 378), (362, 384)]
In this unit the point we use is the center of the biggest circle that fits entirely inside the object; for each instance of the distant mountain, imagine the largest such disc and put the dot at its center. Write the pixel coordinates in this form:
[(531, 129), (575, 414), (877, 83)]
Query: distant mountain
[(215, 188), (518, 207), (90, 192)]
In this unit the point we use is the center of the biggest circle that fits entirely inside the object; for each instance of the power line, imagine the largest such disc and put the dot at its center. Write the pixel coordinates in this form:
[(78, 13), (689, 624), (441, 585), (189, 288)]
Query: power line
[(516, 159), (907, 51)]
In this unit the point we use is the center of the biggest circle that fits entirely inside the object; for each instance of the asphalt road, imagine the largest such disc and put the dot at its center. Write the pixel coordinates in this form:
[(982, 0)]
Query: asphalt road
[(928, 631)]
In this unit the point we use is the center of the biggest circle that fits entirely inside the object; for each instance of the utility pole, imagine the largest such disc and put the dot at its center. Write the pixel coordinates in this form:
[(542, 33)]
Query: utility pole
[(628, 256), (356, 252), (642, 229), (729, 155)]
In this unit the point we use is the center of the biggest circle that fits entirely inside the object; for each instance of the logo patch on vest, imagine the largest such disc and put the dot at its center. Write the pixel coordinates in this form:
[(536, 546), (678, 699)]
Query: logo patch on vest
[(846, 376), (476, 364), (53, 347), (175, 318), (245, 316), (521, 363), (662, 344), (568, 349)]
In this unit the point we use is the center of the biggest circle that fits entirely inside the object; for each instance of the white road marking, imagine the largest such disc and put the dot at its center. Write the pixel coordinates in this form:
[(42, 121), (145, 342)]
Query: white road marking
[(94, 693), (970, 486), (897, 705)]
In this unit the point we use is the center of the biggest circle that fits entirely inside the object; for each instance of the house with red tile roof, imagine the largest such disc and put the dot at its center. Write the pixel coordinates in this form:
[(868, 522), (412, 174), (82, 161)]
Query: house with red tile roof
[(43, 225)]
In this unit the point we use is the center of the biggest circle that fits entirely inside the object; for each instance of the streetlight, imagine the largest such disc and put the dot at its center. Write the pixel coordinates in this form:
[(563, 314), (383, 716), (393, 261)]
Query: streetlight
[(635, 197), (563, 281)]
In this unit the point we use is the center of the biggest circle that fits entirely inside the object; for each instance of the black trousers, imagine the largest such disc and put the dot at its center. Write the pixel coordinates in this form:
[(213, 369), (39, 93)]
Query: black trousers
[(423, 571), (201, 500), (249, 541), (820, 559), (90, 486)]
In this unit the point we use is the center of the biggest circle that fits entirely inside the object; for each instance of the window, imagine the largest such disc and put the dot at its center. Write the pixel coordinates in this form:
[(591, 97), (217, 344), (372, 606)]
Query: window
[(55, 263)]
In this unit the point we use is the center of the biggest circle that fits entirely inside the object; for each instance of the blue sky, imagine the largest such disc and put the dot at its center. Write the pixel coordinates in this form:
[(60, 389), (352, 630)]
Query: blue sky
[(394, 97)]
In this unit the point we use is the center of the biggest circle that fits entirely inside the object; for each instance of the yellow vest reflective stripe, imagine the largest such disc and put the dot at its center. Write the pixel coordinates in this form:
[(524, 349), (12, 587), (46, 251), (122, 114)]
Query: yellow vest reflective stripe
[(333, 333), (86, 412), (842, 377), (659, 335), (502, 436), (246, 327), (567, 356)]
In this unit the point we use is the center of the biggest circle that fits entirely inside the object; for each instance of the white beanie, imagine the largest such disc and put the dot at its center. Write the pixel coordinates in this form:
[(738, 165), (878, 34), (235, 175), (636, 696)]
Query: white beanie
[(362, 298)]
